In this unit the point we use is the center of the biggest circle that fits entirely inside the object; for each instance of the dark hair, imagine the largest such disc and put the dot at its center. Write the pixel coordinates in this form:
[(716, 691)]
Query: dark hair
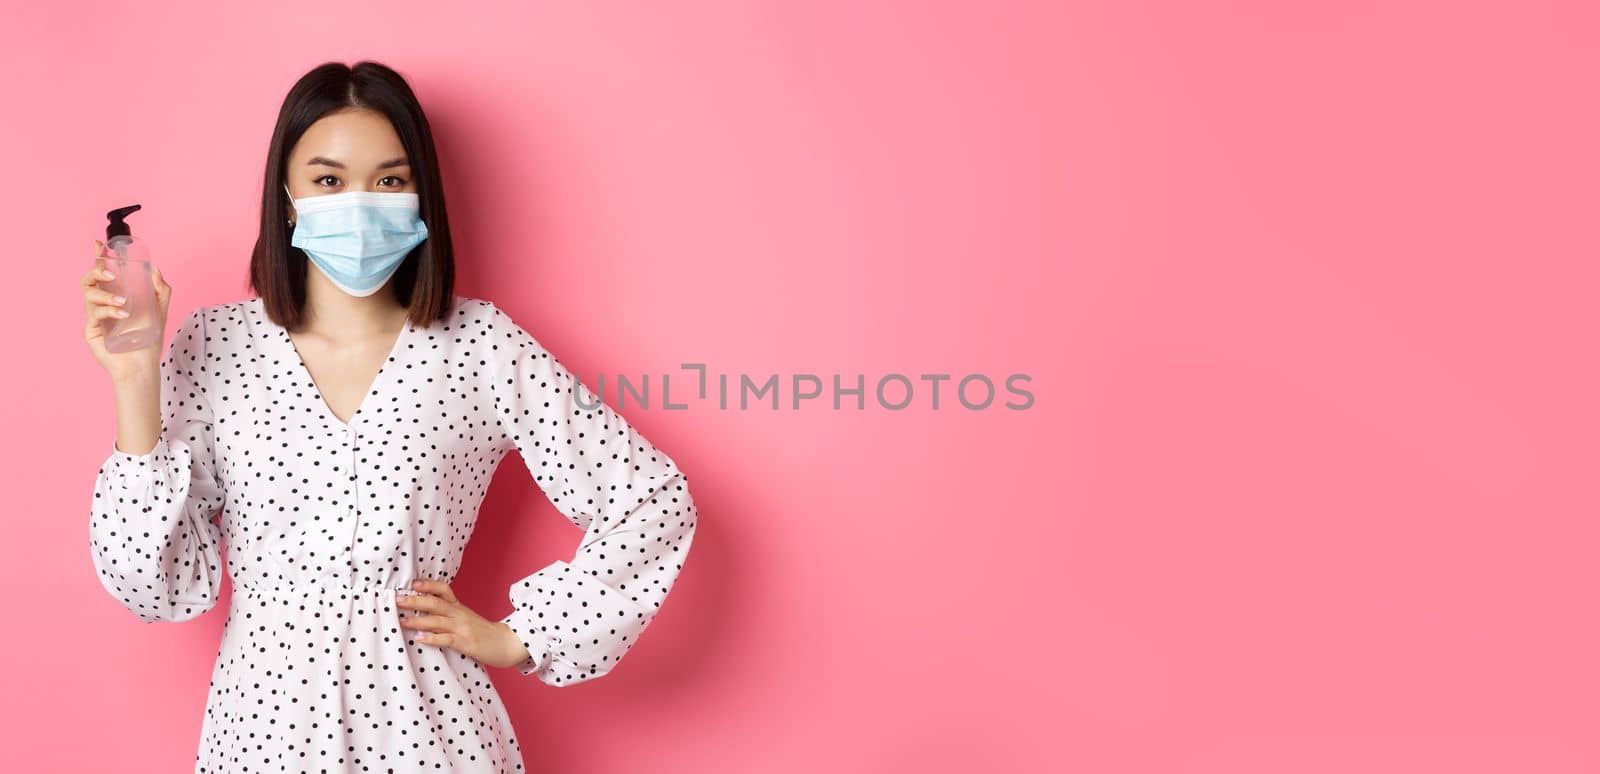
[(424, 282)]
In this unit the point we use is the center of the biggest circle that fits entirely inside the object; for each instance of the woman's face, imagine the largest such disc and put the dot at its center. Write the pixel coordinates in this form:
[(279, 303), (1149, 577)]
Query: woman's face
[(350, 150)]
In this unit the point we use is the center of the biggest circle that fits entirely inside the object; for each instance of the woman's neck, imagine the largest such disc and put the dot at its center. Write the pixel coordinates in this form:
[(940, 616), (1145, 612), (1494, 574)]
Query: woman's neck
[(335, 315)]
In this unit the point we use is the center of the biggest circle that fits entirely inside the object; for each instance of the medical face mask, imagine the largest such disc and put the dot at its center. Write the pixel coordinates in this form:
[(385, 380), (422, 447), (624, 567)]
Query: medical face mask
[(358, 238)]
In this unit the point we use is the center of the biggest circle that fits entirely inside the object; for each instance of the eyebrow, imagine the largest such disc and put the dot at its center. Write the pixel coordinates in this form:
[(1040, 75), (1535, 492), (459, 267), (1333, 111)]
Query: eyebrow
[(327, 162)]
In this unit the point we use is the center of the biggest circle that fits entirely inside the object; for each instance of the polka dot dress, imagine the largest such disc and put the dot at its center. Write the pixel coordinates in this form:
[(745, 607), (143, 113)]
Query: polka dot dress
[(326, 521)]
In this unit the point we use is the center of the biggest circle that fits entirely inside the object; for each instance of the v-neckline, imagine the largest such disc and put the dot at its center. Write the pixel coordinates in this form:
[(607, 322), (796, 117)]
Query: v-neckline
[(316, 392)]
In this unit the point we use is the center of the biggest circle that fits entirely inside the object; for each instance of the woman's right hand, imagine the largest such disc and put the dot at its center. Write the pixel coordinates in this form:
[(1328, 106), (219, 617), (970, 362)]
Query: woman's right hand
[(99, 304)]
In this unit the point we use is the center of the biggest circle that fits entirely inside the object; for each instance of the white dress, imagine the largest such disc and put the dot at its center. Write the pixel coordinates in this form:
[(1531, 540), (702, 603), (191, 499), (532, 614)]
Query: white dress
[(325, 521)]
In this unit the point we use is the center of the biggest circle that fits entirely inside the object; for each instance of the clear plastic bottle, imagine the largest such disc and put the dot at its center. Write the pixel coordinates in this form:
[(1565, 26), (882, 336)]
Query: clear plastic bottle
[(129, 260)]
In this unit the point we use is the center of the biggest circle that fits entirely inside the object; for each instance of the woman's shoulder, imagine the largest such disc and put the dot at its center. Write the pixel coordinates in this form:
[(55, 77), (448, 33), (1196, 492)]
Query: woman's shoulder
[(502, 328), (484, 311), (221, 313), (472, 306), (473, 313)]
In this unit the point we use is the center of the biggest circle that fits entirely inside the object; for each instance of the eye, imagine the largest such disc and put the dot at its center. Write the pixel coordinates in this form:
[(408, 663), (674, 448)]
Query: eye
[(319, 180), (398, 181)]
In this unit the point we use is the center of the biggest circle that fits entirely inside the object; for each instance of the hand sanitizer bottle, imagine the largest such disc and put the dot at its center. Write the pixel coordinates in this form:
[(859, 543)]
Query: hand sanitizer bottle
[(129, 260)]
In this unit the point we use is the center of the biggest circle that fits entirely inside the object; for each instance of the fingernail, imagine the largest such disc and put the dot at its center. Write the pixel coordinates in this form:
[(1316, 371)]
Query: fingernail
[(119, 299), (122, 313)]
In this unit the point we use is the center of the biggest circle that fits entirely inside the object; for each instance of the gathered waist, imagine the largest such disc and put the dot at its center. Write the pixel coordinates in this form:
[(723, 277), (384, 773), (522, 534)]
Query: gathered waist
[(322, 590)]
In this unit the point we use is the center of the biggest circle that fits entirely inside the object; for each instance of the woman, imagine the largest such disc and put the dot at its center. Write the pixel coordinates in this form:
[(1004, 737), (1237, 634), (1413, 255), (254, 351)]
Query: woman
[(338, 431)]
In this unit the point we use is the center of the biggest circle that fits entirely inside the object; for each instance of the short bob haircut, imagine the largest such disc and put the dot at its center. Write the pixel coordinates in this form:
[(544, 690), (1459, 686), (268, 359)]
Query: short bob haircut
[(424, 282)]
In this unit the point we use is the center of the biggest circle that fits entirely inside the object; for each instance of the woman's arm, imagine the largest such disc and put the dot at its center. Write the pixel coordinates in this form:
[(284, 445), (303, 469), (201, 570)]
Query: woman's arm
[(152, 533), (579, 616)]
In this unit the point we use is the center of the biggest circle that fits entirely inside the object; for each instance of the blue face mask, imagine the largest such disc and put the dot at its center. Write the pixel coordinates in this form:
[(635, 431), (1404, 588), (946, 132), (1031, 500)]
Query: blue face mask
[(358, 239)]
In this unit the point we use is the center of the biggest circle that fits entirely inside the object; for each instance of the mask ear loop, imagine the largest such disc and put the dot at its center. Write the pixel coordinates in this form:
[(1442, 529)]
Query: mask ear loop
[(289, 221)]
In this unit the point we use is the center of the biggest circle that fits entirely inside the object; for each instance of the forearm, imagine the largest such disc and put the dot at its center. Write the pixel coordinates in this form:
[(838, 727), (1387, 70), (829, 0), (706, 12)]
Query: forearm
[(138, 402)]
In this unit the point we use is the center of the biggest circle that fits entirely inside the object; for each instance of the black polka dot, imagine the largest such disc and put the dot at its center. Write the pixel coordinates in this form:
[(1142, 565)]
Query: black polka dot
[(326, 521)]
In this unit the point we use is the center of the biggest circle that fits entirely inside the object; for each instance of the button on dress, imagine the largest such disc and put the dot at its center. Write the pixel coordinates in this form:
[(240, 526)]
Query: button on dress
[(326, 521)]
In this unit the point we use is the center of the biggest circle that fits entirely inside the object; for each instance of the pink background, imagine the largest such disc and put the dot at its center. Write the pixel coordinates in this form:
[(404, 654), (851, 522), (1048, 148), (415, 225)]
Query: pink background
[(1306, 293)]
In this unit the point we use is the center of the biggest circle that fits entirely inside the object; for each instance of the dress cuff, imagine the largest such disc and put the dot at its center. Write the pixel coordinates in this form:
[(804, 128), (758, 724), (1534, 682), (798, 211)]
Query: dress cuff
[(126, 465), (541, 646), (118, 454)]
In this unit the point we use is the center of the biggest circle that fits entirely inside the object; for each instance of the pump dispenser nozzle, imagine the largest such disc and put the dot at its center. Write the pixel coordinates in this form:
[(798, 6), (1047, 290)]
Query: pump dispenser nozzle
[(117, 227)]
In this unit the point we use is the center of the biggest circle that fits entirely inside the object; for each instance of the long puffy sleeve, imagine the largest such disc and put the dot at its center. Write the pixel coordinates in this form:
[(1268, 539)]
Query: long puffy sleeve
[(152, 533), (578, 617)]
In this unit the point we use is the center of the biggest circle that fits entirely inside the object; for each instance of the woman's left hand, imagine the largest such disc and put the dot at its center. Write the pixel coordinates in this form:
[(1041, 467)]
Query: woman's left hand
[(448, 623)]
